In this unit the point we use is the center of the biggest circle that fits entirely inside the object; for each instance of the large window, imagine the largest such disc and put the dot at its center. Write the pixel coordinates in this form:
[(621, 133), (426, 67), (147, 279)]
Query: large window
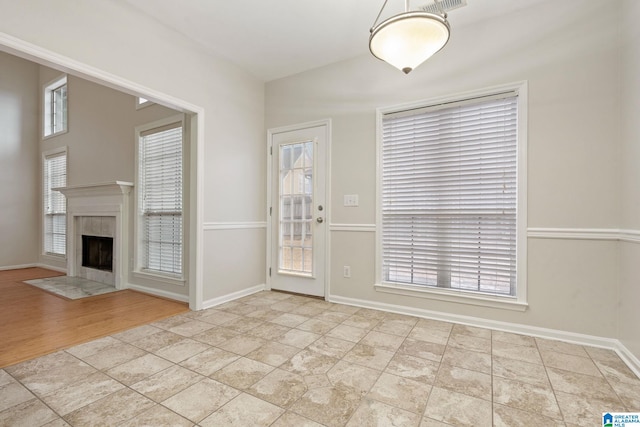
[(54, 203), (449, 176), (55, 107), (160, 188)]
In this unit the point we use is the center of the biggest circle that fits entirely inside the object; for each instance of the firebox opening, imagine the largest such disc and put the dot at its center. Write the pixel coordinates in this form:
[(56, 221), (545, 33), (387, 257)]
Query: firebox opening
[(97, 252)]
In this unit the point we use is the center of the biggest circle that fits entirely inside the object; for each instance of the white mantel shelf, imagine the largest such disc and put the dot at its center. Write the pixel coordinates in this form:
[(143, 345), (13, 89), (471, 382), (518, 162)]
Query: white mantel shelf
[(112, 188)]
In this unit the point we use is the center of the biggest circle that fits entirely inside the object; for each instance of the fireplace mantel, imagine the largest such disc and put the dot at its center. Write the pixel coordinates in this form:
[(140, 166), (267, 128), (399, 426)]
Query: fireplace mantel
[(107, 199)]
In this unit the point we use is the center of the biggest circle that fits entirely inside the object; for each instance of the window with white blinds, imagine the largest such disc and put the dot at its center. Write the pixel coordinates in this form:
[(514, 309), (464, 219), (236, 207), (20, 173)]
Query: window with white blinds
[(449, 195), (160, 199), (55, 204)]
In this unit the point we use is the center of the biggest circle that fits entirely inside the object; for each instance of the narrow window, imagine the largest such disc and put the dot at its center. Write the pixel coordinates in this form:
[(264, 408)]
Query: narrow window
[(55, 107), (160, 200), (55, 204), (449, 195)]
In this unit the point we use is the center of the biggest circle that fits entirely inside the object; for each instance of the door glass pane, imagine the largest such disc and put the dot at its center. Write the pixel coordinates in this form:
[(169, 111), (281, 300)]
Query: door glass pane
[(296, 208)]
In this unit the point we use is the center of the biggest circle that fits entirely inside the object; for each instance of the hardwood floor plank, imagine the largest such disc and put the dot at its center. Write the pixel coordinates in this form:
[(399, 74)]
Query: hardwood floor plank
[(34, 322)]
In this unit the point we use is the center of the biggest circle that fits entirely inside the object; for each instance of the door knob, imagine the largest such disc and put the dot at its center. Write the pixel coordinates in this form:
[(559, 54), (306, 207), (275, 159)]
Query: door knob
[(319, 220)]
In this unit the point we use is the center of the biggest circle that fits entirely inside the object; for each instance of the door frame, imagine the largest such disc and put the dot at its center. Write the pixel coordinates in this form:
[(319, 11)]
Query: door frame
[(327, 177)]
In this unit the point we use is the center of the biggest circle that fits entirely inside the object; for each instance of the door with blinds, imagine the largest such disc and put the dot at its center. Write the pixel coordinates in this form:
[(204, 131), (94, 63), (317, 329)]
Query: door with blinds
[(298, 210)]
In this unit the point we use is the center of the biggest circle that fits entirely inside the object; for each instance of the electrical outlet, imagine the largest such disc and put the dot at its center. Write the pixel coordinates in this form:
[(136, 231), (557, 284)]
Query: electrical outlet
[(347, 271)]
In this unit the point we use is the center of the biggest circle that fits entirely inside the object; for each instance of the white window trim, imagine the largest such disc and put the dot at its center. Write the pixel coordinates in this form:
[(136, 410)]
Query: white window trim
[(517, 302), (138, 270), (47, 89), (45, 154)]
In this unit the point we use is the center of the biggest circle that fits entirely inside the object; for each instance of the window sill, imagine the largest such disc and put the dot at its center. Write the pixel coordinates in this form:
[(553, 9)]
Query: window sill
[(53, 135), (461, 297), (171, 280)]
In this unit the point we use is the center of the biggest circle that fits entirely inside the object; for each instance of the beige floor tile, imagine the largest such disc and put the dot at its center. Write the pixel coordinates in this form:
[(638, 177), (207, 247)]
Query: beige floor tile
[(527, 397), (329, 346), (467, 359), (279, 387), (412, 367), (347, 333), (331, 406), (219, 317), (308, 362), (243, 324), (317, 381), (242, 344), (214, 336), (371, 313), (244, 410), (434, 325), (171, 322), (579, 384), (51, 372), (401, 392), (191, 328), (429, 422), (273, 353), (113, 356), (343, 308), (242, 373), (5, 378), (510, 338), (92, 347), (373, 413), (290, 419), (467, 342), (157, 416), (516, 352), (530, 373), (111, 410), (136, 334), (561, 347), (265, 314), (165, 384), (155, 342), (361, 322), (350, 375), (464, 381), (12, 394), (30, 413), (586, 411), (332, 316), (368, 356), (201, 399), (58, 422), (289, 320), (269, 331), (138, 369), (617, 371), (209, 361), (245, 309), (458, 409), (382, 341), (297, 338), (602, 354), (472, 331), (629, 394), (309, 310), (79, 394), (316, 326), (504, 416), (436, 336), (422, 349), (182, 350), (400, 327), (285, 306), (568, 362)]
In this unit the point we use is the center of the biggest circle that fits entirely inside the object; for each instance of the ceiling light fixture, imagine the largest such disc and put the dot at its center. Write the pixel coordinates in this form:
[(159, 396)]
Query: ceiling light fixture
[(408, 39)]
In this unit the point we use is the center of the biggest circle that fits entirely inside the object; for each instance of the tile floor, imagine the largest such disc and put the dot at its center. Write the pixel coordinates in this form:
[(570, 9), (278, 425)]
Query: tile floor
[(273, 359), (71, 287)]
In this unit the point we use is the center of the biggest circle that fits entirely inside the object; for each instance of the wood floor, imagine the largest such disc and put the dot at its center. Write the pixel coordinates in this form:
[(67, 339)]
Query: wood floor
[(34, 322)]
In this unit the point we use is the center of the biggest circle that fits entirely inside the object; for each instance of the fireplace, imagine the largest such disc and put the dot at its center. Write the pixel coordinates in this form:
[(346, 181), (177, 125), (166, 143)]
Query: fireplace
[(97, 252)]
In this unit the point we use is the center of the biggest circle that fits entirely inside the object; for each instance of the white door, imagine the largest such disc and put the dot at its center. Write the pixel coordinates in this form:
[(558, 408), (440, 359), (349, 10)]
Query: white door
[(297, 209)]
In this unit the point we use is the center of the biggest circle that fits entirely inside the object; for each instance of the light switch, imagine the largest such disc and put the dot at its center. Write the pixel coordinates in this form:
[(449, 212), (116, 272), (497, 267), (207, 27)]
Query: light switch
[(351, 200)]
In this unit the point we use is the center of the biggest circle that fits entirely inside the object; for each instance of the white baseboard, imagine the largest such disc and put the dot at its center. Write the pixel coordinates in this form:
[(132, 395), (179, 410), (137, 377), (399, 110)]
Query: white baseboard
[(17, 267), (52, 267), (232, 296), (158, 292), (582, 339)]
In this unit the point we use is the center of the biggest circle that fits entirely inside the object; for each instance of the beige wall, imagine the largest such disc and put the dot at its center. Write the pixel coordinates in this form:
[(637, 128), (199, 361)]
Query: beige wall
[(118, 39), (628, 312), (570, 62), (19, 176)]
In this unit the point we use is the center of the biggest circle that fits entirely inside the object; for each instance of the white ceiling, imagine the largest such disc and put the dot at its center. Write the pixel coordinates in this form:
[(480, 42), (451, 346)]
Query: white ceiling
[(277, 38)]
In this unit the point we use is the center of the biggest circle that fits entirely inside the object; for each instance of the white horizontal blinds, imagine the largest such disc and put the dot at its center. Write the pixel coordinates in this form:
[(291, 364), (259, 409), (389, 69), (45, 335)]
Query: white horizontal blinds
[(161, 198), (449, 196), (55, 204)]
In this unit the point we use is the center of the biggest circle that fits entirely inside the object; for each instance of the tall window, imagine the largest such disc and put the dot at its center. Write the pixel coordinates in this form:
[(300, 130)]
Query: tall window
[(55, 204), (449, 180), (55, 107), (160, 199)]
